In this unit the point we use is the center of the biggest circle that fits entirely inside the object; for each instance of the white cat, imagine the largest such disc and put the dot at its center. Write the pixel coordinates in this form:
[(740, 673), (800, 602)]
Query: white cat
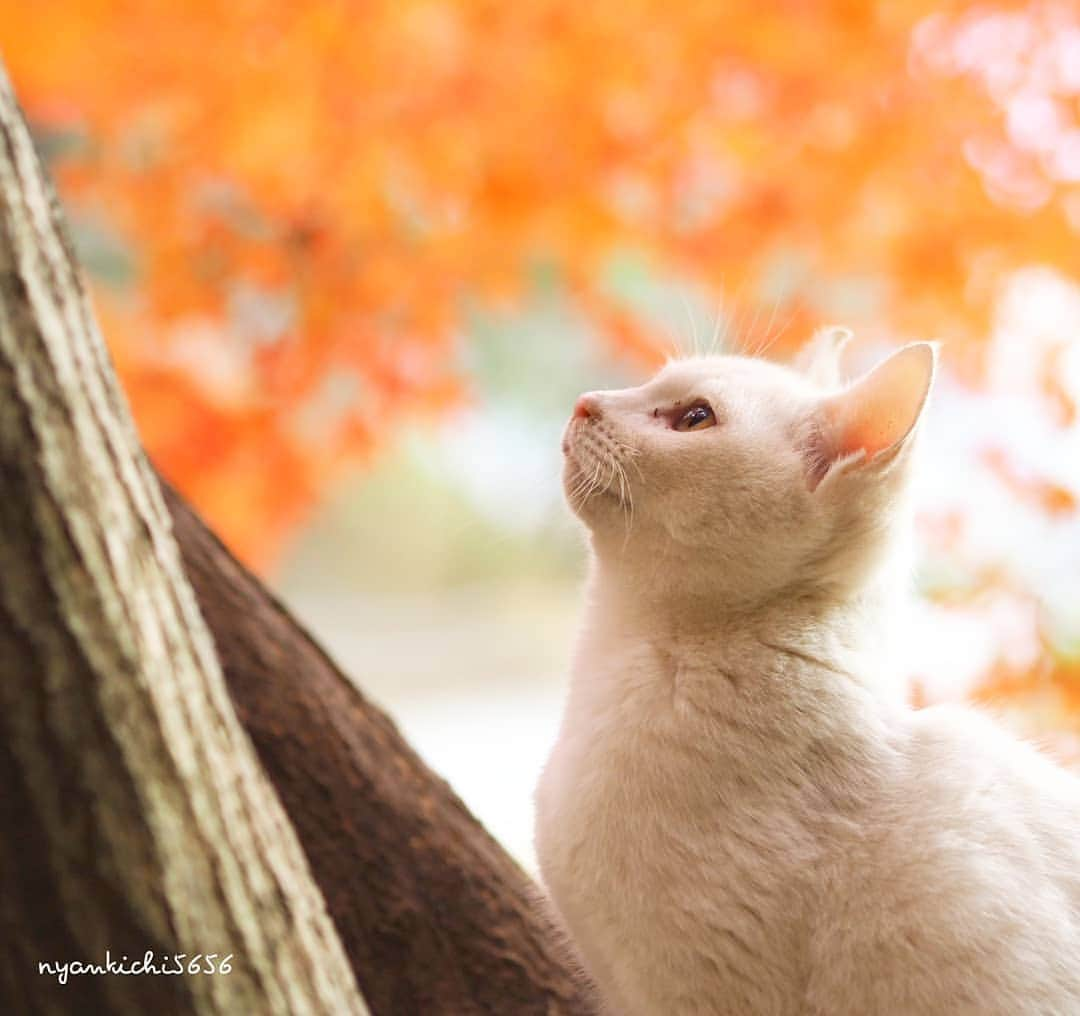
[(739, 817)]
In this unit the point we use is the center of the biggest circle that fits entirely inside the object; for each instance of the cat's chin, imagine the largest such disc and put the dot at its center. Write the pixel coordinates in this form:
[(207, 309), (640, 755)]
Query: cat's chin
[(583, 494)]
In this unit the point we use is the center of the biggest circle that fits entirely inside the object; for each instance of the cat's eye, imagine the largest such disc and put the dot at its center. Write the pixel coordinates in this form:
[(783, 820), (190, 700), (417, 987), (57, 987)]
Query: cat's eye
[(698, 417)]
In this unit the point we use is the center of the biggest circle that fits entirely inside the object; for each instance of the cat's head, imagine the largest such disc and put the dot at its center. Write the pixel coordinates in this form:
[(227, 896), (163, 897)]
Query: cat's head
[(740, 479)]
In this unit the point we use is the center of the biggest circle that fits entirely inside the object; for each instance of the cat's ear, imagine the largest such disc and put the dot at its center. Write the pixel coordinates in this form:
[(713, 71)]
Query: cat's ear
[(872, 420), (819, 359)]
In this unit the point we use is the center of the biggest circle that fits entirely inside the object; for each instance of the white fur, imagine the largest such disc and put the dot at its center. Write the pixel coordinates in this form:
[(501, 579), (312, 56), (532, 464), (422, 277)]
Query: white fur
[(738, 817)]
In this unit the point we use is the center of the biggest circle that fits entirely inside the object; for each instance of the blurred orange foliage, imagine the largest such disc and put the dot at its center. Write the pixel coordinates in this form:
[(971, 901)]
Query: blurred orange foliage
[(315, 192)]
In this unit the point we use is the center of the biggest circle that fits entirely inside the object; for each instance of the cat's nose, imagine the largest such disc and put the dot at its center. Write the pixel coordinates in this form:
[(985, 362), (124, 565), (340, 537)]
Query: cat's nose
[(586, 407)]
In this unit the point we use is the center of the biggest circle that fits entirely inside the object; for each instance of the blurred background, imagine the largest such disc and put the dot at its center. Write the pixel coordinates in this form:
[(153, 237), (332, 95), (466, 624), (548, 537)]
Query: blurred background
[(355, 260)]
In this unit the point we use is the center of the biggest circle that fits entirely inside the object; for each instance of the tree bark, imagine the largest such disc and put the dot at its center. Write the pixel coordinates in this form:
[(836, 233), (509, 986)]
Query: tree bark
[(135, 815), (434, 915)]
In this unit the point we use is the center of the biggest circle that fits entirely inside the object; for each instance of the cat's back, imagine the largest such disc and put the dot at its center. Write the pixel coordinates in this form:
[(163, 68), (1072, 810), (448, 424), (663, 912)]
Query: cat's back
[(962, 894), (1002, 802)]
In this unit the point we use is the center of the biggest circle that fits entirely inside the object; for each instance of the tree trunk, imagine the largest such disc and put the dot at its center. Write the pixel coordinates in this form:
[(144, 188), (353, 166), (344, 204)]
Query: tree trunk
[(434, 915), (135, 815)]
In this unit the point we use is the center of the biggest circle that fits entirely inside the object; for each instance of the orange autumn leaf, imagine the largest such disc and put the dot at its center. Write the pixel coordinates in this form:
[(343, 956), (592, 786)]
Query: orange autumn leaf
[(293, 193), (1057, 395), (1046, 695), (1050, 497)]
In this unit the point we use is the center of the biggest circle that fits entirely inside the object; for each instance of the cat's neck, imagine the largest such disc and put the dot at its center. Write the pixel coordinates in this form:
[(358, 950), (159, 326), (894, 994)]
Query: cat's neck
[(789, 671), (837, 628)]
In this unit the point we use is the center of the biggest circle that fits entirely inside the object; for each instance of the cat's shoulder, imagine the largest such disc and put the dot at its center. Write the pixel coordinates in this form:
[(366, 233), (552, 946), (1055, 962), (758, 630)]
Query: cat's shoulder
[(972, 747)]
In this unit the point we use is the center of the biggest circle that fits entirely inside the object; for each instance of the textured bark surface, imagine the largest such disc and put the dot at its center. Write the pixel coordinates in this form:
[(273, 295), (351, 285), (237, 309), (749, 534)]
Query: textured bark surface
[(434, 915), (133, 812)]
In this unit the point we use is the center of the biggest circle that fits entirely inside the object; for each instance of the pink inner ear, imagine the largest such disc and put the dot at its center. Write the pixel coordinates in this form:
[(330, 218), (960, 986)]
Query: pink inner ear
[(880, 410)]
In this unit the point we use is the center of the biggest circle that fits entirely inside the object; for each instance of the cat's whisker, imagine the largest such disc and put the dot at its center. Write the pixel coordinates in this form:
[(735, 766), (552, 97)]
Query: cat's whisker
[(741, 336), (780, 333), (770, 339), (628, 503), (626, 455), (723, 309), (608, 459), (594, 481), (624, 493), (584, 486), (772, 319), (628, 450), (610, 475), (678, 345), (575, 487), (753, 329), (714, 345), (630, 454), (693, 322)]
